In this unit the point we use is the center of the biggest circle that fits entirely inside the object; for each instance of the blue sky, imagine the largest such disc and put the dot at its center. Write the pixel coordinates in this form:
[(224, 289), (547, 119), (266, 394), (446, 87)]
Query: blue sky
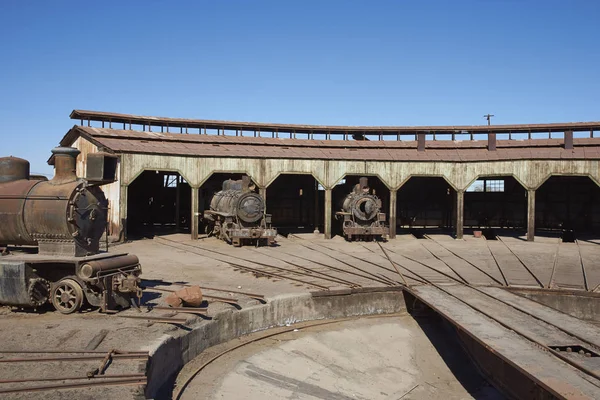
[(324, 62)]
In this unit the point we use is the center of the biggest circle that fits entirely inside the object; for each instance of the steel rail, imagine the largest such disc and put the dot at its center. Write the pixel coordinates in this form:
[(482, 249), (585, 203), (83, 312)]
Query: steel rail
[(445, 263), (206, 296), (497, 263), (168, 320), (77, 385), (192, 310), (515, 329), (426, 266), (279, 331), (393, 265), (254, 270), (465, 260), (396, 264), (140, 356), (250, 268), (311, 273), (346, 282), (70, 352), (336, 268), (72, 378), (554, 265), (585, 280), (522, 263), (373, 276)]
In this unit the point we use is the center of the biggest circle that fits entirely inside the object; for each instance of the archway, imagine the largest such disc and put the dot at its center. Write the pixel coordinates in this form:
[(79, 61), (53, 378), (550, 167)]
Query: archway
[(158, 202), (296, 203)]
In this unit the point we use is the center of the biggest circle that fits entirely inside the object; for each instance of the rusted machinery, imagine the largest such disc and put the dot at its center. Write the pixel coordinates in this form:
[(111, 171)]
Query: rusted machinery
[(237, 214), (51, 231), (361, 216)]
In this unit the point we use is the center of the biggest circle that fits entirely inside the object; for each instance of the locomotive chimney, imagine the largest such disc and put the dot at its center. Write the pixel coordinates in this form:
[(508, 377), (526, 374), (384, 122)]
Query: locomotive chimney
[(65, 162), (246, 182)]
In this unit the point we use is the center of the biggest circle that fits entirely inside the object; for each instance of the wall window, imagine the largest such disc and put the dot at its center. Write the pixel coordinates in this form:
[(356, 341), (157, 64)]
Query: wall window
[(487, 185)]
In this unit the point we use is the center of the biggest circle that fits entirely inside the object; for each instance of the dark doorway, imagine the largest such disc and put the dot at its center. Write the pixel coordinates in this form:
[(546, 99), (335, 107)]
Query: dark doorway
[(296, 203), (425, 204), (345, 186), (569, 205), (496, 203), (158, 202)]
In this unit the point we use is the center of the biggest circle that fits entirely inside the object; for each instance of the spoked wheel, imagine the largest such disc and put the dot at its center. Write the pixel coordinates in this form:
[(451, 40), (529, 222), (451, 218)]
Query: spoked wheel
[(67, 296)]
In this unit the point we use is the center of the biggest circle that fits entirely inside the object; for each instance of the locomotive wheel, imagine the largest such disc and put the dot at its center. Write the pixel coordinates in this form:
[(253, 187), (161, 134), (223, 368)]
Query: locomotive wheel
[(67, 296)]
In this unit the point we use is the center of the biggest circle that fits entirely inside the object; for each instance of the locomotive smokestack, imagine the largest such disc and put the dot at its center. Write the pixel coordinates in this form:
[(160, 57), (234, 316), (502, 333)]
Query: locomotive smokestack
[(65, 161)]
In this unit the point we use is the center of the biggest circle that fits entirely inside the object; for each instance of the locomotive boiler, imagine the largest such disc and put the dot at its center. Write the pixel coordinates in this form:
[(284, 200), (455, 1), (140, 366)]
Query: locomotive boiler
[(361, 216), (237, 215), (50, 232)]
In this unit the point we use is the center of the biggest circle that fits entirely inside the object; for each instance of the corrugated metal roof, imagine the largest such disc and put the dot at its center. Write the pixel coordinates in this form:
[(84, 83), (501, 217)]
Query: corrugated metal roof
[(332, 129), (128, 141)]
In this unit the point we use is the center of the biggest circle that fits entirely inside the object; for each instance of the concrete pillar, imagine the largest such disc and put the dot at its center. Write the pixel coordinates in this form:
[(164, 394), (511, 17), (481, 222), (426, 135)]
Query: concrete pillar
[(195, 213), (530, 215), (327, 211), (393, 200), (460, 208)]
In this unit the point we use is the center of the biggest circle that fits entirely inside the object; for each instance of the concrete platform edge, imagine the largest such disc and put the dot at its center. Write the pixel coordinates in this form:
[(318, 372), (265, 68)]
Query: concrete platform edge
[(172, 353)]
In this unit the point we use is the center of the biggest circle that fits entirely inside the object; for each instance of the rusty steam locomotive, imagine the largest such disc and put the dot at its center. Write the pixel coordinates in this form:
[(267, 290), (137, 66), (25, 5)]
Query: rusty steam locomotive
[(361, 216), (237, 215), (50, 233)]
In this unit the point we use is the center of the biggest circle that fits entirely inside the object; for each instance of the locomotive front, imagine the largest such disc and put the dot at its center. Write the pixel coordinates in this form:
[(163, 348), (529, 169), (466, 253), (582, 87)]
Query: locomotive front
[(237, 214), (361, 214), (56, 227)]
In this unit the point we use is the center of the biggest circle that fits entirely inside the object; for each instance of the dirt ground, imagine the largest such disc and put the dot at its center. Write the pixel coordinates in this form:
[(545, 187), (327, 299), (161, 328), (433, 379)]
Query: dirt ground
[(174, 259)]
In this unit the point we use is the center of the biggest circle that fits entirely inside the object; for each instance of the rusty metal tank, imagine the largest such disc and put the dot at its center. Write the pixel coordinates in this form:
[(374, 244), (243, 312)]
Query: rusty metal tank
[(361, 204), (64, 215)]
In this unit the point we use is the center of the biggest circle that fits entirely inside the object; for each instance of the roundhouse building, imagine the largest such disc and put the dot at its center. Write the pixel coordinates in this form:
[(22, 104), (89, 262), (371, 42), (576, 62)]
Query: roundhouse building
[(530, 178)]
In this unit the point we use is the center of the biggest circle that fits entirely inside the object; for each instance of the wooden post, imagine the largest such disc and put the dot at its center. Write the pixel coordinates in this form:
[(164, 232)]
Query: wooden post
[(393, 196), (195, 214), (177, 203), (491, 141), (420, 142), (123, 212), (568, 140), (460, 206), (530, 215), (327, 216)]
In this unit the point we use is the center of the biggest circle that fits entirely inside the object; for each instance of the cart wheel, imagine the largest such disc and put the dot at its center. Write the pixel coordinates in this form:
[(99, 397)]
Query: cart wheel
[(67, 296)]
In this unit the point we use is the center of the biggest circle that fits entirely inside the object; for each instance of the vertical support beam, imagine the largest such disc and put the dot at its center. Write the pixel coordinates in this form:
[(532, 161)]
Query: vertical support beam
[(420, 142), (262, 191), (177, 203), (195, 213), (530, 215), (327, 210), (393, 197), (491, 141), (460, 208), (568, 140), (123, 212)]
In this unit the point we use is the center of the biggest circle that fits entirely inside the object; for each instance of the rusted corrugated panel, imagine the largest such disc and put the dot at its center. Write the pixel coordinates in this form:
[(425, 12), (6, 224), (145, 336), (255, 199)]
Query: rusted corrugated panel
[(324, 129)]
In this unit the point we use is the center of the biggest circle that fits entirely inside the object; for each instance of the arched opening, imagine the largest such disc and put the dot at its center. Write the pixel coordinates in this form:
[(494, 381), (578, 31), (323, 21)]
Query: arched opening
[(211, 186), (568, 205), (496, 203), (345, 186), (158, 202), (296, 203), (425, 204)]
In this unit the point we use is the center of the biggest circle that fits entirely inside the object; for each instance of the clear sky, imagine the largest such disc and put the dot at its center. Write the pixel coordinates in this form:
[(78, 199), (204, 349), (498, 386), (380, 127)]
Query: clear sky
[(324, 62)]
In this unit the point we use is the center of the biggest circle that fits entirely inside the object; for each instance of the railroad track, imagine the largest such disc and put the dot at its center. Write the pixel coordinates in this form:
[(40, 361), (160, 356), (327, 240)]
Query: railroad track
[(93, 378), (258, 269), (517, 329)]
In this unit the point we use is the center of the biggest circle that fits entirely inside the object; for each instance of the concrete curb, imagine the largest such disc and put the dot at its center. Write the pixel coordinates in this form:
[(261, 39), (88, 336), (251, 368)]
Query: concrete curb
[(172, 353)]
